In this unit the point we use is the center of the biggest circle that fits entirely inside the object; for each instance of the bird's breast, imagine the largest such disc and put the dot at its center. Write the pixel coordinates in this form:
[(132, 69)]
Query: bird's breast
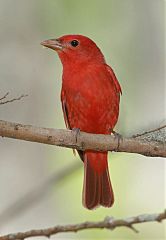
[(91, 101)]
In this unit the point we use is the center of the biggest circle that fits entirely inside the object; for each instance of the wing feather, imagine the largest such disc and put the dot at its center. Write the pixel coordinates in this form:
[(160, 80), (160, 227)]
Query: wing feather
[(117, 85), (66, 118)]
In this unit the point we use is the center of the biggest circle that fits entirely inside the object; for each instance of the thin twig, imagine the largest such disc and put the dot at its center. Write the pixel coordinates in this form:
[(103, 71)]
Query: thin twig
[(4, 96), (108, 223), (147, 132), (11, 100), (84, 141)]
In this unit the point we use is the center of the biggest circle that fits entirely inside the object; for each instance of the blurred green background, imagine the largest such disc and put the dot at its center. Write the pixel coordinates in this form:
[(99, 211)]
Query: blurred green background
[(131, 36)]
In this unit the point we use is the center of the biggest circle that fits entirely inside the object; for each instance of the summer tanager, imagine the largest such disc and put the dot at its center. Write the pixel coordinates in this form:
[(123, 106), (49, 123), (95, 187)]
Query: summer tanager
[(90, 98)]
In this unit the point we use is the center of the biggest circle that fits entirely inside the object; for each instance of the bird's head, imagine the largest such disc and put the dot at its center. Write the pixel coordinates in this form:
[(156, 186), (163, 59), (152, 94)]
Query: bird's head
[(75, 49)]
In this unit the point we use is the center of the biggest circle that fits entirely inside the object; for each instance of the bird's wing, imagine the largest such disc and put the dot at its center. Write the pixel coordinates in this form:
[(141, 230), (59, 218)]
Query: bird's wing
[(117, 85), (65, 114), (64, 108)]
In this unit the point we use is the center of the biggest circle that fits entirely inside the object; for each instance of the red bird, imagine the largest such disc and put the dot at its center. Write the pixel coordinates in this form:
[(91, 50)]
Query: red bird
[(90, 98)]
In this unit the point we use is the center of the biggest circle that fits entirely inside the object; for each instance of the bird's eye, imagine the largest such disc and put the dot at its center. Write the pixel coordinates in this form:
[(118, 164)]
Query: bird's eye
[(74, 43)]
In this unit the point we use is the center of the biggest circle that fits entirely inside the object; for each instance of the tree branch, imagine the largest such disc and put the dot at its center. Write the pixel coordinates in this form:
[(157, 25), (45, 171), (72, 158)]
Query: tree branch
[(108, 223), (82, 141), (11, 100)]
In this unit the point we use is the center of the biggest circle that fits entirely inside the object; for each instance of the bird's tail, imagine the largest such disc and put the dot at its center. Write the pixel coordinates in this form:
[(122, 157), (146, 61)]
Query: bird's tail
[(97, 189)]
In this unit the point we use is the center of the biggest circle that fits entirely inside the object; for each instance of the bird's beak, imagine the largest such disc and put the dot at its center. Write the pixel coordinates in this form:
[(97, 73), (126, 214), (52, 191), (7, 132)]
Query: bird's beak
[(53, 44)]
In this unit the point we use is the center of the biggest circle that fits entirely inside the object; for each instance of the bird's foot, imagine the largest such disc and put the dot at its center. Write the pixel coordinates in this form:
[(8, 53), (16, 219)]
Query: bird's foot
[(117, 136), (76, 131)]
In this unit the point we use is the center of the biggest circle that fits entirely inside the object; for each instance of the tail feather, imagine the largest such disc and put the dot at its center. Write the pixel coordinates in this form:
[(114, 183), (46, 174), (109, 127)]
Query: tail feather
[(107, 196), (97, 189)]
